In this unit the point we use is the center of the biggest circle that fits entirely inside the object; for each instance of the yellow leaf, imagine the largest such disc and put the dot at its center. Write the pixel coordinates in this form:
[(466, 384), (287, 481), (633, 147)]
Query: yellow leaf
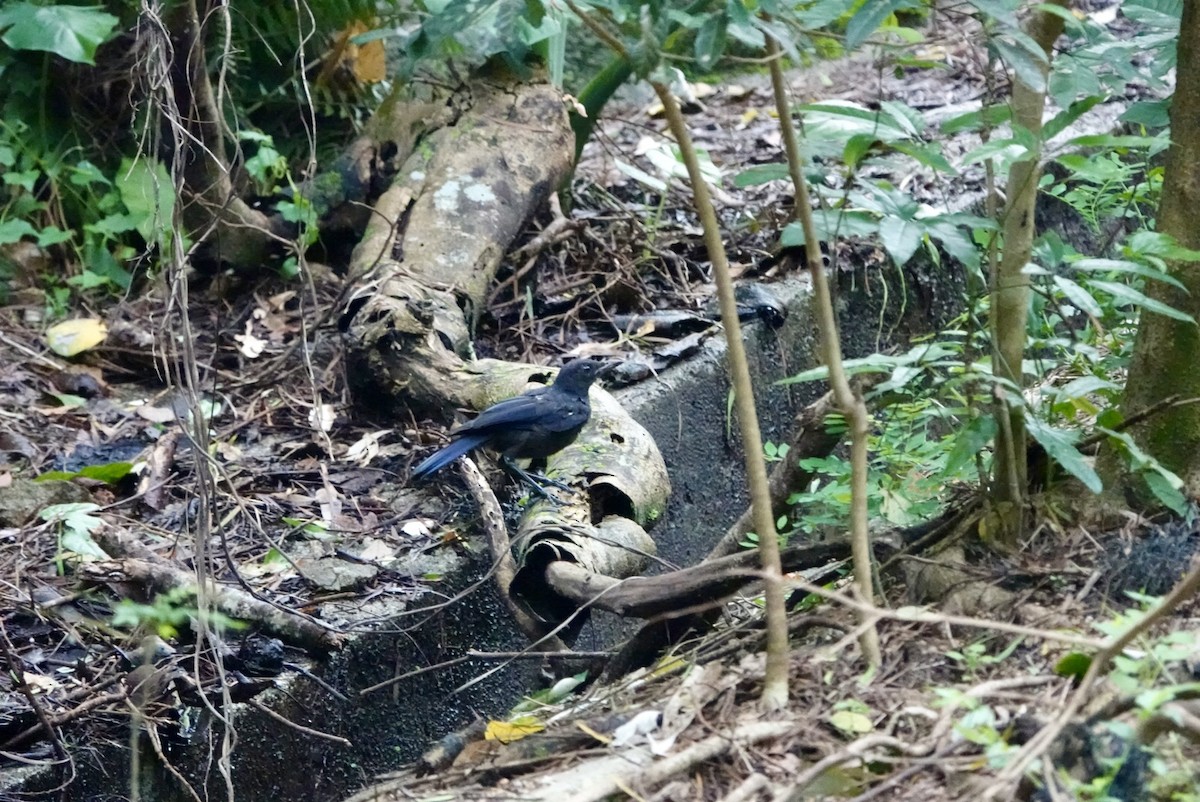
[(851, 723), (367, 63), (370, 59), (73, 337), (508, 731)]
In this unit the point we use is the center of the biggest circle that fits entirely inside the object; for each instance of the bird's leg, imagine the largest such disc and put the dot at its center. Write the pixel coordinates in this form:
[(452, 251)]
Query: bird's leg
[(536, 481)]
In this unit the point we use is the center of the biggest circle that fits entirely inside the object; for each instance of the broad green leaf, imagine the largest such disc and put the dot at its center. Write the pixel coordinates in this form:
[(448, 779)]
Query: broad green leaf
[(710, 41), (1073, 665), (111, 473), (970, 440), (1114, 141), (1025, 59), (1008, 149), (1059, 446), (1150, 113), (71, 32), (1059, 122), (52, 235), (1158, 243), (1125, 266), (988, 117), (1085, 385), (1167, 491), (14, 230), (77, 523), (851, 722), (1002, 11), (928, 154), (1080, 298), (876, 363), (1163, 14), (869, 17), (149, 195), (856, 148), (1121, 292), (761, 174), (900, 238), (852, 118), (829, 224)]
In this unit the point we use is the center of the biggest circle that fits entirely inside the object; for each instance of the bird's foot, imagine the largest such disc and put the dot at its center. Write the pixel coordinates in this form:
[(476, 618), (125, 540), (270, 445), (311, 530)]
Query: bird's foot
[(537, 482)]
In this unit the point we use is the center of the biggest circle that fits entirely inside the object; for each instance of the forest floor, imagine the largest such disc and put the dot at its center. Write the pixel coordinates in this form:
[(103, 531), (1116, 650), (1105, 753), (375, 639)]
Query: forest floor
[(312, 512)]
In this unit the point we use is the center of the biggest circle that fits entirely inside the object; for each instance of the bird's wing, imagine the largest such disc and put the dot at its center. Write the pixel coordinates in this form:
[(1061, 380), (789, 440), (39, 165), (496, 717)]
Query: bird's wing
[(543, 408)]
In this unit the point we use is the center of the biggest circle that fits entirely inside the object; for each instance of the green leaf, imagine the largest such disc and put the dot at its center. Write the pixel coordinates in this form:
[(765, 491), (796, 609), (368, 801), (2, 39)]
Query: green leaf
[(900, 238), (77, 524), (829, 224), (761, 174), (1125, 266), (851, 722), (1157, 243), (1073, 665), (1128, 294), (988, 117), (844, 118), (710, 41), (971, 440), (869, 17), (149, 195), (1163, 14), (856, 148), (1166, 491), (876, 363), (1026, 60), (1114, 141), (1059, 122), (1150, 113), (71, 32), (52, 235), (13, 230), (1059, 446), (110, 473), (1009, 149), (1085, 386), (1080, 298), (928, 154)]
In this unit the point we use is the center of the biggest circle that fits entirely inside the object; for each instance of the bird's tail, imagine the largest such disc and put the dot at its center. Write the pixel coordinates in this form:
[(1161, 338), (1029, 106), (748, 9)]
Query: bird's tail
[(440, 459)]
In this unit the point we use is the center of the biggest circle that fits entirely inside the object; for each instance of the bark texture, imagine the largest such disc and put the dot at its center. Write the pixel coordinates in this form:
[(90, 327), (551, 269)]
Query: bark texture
[(1010, 292), (425, 265), (1166, 351)]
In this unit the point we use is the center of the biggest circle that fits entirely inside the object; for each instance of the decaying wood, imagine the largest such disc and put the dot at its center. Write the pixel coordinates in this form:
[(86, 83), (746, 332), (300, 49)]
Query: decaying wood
[(492, 518), (148, 571), (439, 232), (601, 527), (428, 257), (688, 588)]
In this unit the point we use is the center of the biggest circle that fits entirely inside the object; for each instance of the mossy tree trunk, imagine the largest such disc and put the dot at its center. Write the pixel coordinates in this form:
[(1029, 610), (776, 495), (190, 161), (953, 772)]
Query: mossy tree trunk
[(1166, 351)]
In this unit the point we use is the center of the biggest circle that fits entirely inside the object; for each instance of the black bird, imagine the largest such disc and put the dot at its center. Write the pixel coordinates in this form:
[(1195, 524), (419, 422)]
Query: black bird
[(532, 425)]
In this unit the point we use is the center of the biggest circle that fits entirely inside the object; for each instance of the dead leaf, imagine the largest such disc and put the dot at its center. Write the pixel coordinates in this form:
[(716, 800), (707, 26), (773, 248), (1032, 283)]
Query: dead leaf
[(366, 62), (156, 414), (508, 731), (366, 448), (72, 337), (322, 417), (250, 345)]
